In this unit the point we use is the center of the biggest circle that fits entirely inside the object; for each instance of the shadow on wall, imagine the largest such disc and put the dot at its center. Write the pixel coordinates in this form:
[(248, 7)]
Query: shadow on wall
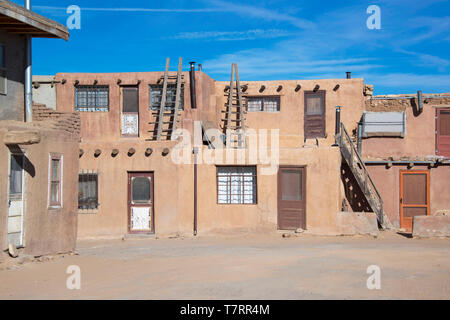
[(28, 166), (353, 193)]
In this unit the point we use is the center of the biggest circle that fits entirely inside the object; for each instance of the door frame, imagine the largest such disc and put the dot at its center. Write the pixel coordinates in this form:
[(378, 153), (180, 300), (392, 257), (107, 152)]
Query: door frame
[(304, 190), (322, 93), (121, 87), (22, 231), (150, 174), (402, 205)]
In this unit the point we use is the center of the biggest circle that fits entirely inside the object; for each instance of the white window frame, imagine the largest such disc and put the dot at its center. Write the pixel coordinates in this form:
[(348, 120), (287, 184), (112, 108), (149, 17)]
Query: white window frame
[(61, 180)]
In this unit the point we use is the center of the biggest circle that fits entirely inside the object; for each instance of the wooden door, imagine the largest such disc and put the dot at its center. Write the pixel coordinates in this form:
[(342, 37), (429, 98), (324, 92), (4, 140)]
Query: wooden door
[(130, 111), (443, 132), (414, 196), (291, 198), (314, 116), (140, 202), (16, 200)]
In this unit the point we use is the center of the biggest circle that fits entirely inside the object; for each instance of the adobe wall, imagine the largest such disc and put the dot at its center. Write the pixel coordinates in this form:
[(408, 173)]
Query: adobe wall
[(46, 230), (388, 184), (291, 115), (420, 138)]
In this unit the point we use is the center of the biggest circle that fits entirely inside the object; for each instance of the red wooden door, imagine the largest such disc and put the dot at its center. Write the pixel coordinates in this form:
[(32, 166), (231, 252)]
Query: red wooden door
[(140, 202), (291, 198), (414, 196), (443, 132)]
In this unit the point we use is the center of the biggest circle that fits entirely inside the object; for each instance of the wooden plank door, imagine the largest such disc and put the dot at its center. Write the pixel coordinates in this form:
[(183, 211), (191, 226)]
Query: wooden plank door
[(140, 202), (130, 110), (15, 223), (414, 196), (291, 197), (443, 132), (314, 116)]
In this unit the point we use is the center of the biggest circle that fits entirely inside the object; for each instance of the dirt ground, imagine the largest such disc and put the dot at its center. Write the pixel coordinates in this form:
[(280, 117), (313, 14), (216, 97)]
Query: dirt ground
[(239, 267)]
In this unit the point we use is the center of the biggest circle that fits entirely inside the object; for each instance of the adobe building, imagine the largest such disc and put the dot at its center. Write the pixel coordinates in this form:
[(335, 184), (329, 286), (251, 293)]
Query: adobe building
[(406, 146), (38, 146), (131, 179)]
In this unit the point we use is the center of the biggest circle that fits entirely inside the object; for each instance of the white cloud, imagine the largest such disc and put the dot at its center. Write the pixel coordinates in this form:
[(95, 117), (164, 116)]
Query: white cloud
[(232, 35)]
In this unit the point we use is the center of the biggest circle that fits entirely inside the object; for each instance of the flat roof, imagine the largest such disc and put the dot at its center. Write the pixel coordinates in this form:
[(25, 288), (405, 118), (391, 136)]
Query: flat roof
[(18, 20)]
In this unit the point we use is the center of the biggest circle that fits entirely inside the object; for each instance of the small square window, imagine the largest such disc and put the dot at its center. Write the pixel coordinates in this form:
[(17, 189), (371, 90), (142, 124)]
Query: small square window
[(236, 185)]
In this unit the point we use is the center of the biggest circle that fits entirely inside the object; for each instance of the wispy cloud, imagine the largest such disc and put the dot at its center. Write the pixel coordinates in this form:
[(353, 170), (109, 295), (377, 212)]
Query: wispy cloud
[(165, 10), (232, 35), (262, 13)]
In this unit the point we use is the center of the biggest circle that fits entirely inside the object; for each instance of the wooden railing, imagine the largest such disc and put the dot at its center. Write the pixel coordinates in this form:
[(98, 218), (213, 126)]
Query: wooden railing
[(360, 172)]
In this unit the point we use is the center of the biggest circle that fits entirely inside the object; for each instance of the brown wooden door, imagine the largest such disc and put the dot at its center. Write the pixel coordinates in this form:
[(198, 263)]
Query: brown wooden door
[(314, 117), (130, 111), (414, 196), (443, 132), (140, 202), (291, 198)]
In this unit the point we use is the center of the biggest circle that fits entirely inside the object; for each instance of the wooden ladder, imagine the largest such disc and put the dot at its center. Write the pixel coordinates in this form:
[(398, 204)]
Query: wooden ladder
[(167, 119), (234, 121)]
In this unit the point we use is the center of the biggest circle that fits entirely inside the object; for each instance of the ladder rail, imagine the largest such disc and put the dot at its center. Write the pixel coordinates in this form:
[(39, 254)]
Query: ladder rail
[(177, 96), (163, 100)]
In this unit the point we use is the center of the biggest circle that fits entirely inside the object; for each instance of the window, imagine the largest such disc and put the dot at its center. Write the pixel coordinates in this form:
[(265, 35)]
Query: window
[(92, 98), (236, 185), (267, 104), (55, 183), (87, 191), (314, 118), (16, 175), (156, 93), (443, 132), (3, 79)]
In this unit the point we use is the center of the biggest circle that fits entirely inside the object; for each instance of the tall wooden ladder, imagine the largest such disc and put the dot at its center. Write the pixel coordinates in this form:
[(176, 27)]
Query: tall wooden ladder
[(234, 113), (166, 119), (355, 163)]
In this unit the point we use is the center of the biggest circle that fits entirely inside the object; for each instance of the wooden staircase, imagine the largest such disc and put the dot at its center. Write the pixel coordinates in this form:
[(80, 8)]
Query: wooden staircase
[(234, 114), (166, 119), (362, 176)]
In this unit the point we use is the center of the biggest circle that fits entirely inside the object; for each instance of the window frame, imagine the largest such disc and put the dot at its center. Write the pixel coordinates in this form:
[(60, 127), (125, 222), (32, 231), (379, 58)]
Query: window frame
[(262, 97), (254, 182), (59, 202), (171, 86), (323, 96), (95, 108), (97, 203)]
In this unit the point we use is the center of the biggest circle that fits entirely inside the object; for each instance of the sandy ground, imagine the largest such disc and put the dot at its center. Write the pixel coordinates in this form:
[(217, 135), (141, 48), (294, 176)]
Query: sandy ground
[(240, 267)]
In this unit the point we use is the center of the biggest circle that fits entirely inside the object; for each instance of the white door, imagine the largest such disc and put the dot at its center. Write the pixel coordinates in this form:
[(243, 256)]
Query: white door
[(15, 201)]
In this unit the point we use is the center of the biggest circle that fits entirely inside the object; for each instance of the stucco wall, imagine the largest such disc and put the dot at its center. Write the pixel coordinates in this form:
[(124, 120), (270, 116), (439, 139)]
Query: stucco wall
[(45, 93), (12, 104), (388, 184), (45, 230)]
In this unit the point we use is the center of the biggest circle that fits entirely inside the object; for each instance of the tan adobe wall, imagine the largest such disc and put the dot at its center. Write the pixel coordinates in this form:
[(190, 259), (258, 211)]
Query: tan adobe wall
[(46, 230)]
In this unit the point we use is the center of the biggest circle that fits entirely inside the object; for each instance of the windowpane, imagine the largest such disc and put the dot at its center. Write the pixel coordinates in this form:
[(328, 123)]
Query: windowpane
[(314, 105), (291, 185), (140, 189), (54, 193), (2, 56), (272, 104), (15, 185), (156, 96), (87, 191), (55, 170), (254, 104), (92, 98), (236, 185)]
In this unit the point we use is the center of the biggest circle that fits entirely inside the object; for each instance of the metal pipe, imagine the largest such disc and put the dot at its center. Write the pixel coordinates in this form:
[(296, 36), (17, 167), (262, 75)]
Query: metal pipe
[(338, 120), (199, 67), (419, 100), (359, 141), (192, 85), (195, 150), (349, 75), (28, 74)]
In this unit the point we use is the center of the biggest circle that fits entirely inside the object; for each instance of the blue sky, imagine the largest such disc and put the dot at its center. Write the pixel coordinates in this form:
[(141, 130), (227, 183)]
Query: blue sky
[(270, 40)]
